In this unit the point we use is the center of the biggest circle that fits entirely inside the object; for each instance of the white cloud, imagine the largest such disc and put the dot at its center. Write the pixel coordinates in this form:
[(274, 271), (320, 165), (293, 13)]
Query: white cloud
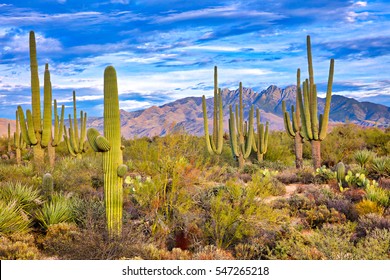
[(360, 4), (19, 43), (131, 105)]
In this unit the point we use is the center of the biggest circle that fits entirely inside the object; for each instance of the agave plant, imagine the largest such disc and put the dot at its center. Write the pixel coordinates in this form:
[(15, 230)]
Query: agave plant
[(24, 196), (12, 218), (363, 157), (55, 211), (381, 166)]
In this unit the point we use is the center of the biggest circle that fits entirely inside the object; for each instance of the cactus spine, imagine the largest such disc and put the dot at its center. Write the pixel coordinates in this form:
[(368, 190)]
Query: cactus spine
[(214, 143), (262, 138), (76, 144), (110, 146), (312, 128), (293, 128), (241, 133)]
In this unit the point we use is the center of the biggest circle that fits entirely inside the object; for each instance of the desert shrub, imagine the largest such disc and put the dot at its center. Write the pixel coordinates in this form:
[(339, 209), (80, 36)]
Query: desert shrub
[(267, 184), (369, 222), (343, 206), (87, 212), (320, 215), (26, 197), (356, 180), (13, 219), (57, 210), (287, 176), (18, 246), (377, 140), (280, 149), (75, 175), (363, 157), (341, 144), (384, 183), (354, 195), (298, 203), (375, 246), (367, 206), (324, 175), (306, 175), (151, 252), (212, 252), (23, 174), (377, 194), (66, 241)]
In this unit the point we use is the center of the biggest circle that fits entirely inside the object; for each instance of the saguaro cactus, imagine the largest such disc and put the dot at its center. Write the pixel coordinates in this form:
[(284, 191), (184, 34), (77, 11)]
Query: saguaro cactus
[(57, 135), (241, 134), (76, 144), (18, 140), (214, 143), (9, 149), (35, 134), (293, 128), (262, 138), (110, 146), (314, 129)]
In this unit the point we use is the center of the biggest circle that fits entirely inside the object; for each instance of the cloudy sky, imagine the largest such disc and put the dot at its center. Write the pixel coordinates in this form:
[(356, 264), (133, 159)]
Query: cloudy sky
[(165, 50)]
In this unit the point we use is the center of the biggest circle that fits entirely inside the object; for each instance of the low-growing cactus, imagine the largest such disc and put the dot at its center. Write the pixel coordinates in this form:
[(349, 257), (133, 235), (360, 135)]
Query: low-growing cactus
[(110, 145), (47, 186)]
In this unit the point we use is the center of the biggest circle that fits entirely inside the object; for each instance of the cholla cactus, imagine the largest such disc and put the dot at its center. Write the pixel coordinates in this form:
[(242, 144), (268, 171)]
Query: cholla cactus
[(76, 144), (241, 133), (110, 145), (214, 143)]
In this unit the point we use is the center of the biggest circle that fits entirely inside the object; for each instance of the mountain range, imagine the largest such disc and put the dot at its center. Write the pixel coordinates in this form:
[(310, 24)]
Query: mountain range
[(187, 113)]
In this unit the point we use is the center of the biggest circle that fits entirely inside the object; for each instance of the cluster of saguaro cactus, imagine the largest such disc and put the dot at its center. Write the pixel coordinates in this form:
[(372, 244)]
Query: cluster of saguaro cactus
[(260, 143), (57, 134), (241, 132), (312, 128), (74, 141), (19, 144), (110, 145), (293, 128), (214, 143)]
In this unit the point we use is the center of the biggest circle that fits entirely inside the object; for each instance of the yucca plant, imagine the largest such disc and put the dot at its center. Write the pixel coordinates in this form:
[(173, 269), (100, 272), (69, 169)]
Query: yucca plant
[(12, 218), (363, 157), (55, 211), (25, 197)]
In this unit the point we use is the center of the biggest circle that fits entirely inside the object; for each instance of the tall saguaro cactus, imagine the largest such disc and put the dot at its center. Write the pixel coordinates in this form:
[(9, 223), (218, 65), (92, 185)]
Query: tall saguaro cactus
[(110, 145), (214, 143), (314, 129), (74, 141), (260, 143), (9, 149), (57, 134), (241, 133), (293, 128), (38, 132)]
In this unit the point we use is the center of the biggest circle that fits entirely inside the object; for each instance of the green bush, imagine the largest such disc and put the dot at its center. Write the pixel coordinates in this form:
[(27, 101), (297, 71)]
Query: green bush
[(13, 219), (26, 197), (18, 246)]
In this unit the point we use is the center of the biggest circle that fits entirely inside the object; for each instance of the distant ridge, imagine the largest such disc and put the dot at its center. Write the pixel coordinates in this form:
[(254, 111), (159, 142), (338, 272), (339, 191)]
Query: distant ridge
[(186, 114)]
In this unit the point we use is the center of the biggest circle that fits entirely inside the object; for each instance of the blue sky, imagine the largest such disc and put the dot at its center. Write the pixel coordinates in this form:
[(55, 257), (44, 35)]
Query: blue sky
[(165, 50)]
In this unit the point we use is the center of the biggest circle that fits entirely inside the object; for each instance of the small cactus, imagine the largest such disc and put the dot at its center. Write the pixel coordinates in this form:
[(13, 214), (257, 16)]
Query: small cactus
[(262, 138), (47, 186)]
